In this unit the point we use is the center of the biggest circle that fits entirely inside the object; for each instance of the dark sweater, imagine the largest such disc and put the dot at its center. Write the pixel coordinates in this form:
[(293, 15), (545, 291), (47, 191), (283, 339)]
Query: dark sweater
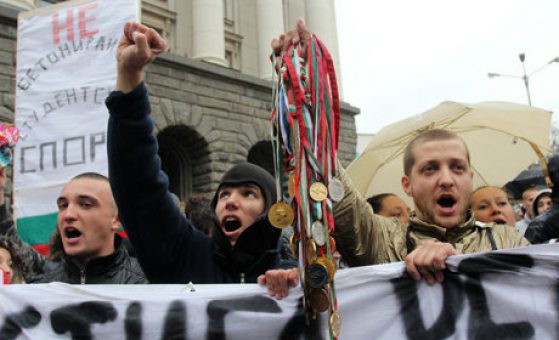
[(169, 248)]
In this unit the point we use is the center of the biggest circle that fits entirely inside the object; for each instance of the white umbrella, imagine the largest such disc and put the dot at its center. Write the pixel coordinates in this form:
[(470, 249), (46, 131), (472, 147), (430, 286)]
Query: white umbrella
[(503, 139)]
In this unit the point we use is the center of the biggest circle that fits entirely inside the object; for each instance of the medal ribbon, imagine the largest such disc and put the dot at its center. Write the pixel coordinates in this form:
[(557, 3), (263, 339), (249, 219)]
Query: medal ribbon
[(305, 133)]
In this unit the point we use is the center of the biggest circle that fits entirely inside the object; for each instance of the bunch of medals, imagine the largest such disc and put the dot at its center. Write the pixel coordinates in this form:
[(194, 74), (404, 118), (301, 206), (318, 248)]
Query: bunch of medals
[(305, 129)]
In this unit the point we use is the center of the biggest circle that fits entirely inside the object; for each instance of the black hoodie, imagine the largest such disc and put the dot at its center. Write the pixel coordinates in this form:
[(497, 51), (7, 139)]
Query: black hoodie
[(169, 248)]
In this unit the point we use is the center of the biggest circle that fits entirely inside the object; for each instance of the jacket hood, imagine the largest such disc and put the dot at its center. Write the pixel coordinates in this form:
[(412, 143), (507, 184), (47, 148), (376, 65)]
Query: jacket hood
[(539, 196), (261, 237)]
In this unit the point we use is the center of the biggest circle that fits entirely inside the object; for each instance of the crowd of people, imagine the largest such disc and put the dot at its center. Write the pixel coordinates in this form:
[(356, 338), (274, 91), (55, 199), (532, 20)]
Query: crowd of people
[(227, 238)]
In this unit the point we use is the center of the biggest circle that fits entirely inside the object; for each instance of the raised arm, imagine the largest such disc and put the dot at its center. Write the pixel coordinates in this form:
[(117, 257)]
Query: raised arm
[(362, 237), (166, 244), (138, 46)]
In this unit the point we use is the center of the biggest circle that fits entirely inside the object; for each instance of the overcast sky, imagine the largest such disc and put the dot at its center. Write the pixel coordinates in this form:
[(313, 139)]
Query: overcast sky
[(402, 57)]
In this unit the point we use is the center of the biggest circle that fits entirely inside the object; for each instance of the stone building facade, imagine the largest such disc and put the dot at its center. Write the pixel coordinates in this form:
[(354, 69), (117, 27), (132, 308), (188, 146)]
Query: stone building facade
[(208, 115)]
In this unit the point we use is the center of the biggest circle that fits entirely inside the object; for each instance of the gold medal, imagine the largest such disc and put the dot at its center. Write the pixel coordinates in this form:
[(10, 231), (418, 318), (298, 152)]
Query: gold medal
[(335, 322), (318, 192), (330, 266), (319, 300), (310, 253), (291, 186), (281, 215)]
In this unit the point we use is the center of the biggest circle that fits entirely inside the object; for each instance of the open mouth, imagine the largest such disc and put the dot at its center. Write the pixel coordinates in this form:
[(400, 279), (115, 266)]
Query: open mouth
[(72, 233), (446, 202), (499, 221), (231, 224)]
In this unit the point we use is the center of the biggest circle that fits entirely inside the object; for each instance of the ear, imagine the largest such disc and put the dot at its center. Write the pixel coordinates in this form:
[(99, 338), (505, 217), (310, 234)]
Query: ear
[(406, 185), (116, 224)]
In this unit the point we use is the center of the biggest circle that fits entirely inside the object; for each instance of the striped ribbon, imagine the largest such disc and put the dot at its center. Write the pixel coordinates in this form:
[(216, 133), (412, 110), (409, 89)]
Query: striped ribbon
[(305, 133)]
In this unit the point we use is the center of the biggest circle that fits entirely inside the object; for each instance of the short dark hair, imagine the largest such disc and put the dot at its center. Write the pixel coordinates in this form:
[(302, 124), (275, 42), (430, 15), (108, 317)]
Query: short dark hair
[(377, 200), (91, 175), (428, 136), (95, 176)]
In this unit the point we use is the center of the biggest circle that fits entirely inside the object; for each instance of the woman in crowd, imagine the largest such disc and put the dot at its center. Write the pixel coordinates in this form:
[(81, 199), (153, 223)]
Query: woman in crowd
[(491, 204), (9, 265)]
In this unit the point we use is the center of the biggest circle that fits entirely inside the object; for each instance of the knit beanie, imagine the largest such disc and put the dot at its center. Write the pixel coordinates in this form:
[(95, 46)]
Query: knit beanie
[(249, 173)]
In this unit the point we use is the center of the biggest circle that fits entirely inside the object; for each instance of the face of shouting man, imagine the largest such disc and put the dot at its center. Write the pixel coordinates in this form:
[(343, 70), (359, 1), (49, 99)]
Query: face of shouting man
[(87, 218), (237, 208), (439, 181)]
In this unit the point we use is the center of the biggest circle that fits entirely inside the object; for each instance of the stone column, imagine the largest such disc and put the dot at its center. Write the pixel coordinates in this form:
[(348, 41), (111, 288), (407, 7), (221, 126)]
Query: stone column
[(18, 4), (295, 9), (208, 37), (269, 22), (321, 20)]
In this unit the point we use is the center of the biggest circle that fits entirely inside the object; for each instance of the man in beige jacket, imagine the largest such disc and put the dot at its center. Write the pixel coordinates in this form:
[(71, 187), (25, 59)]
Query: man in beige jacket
[(438, 177)]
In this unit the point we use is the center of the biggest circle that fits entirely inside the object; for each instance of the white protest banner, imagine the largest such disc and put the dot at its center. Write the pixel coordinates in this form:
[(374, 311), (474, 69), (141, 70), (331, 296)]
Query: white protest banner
[(66, 66), (499, 295)]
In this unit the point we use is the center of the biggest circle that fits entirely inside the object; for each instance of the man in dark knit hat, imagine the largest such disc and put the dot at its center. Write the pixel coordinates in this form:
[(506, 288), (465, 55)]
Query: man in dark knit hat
[(243, 245)]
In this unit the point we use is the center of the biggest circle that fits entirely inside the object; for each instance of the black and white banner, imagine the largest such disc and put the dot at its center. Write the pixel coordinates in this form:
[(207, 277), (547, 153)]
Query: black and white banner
[(510, 294)]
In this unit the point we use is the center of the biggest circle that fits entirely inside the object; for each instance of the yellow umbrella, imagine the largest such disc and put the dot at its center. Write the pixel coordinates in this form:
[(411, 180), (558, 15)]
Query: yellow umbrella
[(503, 138)]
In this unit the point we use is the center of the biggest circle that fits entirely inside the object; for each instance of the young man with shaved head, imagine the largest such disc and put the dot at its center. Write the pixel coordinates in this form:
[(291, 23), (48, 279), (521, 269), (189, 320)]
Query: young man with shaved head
[(92, 252), (438, 177), (528, 196)]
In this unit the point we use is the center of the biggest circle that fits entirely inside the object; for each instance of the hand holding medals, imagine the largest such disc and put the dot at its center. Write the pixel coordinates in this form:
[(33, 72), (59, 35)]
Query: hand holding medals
[(306, 116)]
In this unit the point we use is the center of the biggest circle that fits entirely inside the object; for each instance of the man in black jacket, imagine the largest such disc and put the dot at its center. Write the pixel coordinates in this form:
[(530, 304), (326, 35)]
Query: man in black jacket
[(544, 228), (92, 252), (243, 246)]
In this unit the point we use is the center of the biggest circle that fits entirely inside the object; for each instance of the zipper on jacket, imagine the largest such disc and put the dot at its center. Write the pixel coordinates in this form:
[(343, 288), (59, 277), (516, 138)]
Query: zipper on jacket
[(82, 276), (242, 277)]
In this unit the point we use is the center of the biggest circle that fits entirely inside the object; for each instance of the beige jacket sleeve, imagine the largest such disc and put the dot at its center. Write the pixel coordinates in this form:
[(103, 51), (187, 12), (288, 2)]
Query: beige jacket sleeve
[(508, 237), (362, 237)]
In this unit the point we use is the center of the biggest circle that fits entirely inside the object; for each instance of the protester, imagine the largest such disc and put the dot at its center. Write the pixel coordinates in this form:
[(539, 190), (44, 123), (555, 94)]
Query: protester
[(491, 204), (528, 196), (438, 177), (198, 210), (542, 202), (244, 246), (545, 227), (518, 212), (9, 266), (91, 251), (390, 205)]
